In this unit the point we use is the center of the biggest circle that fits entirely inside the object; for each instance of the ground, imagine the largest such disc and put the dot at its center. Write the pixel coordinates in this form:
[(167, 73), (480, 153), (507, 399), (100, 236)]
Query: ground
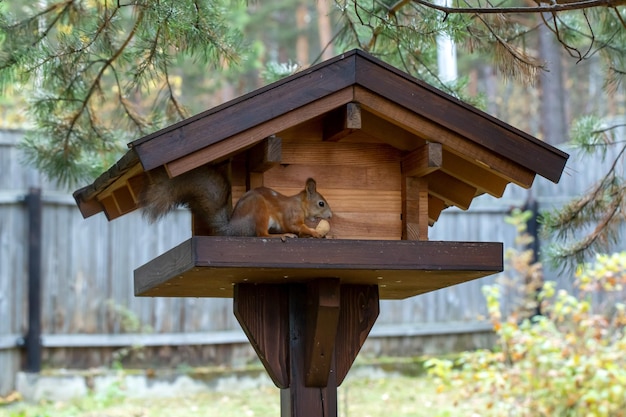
[(375, 395)]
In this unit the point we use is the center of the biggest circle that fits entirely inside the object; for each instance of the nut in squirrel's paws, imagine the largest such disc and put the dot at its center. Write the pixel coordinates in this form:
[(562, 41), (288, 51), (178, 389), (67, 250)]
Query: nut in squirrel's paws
[(323, 227)]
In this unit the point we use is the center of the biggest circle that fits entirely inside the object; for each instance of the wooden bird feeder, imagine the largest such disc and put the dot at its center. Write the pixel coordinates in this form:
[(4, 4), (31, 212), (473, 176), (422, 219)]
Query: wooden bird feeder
[(388, 152)]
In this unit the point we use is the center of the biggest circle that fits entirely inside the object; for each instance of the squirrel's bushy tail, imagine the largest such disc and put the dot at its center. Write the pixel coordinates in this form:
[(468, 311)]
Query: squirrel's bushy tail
[(205, 190)]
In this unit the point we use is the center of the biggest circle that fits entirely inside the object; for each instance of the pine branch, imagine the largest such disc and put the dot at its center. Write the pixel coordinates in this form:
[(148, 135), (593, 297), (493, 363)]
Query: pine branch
[(82, 57), (171, 97), (107, 63), (558, 6), (602, 206)]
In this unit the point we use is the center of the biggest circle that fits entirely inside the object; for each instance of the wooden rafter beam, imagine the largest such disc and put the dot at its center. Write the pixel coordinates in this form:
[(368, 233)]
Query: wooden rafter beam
[(265, 154), (452, 191), (422, 161), (435, 207), (347, 119), (111, 208), (388, 132), (341, 122), (473, 174)]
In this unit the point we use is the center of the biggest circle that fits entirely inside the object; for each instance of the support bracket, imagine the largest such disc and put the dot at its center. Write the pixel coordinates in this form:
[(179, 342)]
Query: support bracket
[(307, 336)]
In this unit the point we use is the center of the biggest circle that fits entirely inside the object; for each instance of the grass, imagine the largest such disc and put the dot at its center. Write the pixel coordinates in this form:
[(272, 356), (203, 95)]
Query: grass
[(390, 395)]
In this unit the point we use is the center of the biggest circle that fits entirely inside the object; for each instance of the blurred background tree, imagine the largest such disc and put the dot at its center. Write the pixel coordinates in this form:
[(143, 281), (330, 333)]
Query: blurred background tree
[(84, 77)]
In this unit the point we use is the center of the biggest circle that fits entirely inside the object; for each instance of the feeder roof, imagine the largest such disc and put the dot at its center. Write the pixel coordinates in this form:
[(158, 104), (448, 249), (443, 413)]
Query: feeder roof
[(475, 148)]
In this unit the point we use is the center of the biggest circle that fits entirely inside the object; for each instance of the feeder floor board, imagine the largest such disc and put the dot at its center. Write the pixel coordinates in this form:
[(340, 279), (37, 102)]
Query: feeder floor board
[(210, 266)]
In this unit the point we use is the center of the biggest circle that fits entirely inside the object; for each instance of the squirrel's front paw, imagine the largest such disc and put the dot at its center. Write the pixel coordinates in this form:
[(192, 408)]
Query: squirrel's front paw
[(284, 236)]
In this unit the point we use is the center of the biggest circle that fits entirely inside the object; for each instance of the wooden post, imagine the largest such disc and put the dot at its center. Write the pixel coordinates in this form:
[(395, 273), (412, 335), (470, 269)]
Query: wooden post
[(414, 208), (416, 166), (307, 336), (300, 400), (33, 336)]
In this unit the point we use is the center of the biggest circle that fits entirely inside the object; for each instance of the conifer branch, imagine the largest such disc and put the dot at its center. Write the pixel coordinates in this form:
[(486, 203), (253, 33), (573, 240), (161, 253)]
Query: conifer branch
[(96, 82), (558, 6)]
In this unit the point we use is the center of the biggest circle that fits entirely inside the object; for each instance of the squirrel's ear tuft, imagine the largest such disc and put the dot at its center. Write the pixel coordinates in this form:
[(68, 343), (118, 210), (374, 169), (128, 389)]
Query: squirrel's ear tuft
[(310, 186)]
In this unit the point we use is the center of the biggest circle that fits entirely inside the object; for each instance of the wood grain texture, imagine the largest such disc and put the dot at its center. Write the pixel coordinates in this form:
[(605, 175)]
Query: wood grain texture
[(383, 177), (342, 153), (163, 269), (367, 225), (322, 315), (359, 69), (359, 311), (263, 313), (127, 166), (136, 184), (89, 263), (120, 193), (300, 400), (423, 160), (210, 266), (415, 216)]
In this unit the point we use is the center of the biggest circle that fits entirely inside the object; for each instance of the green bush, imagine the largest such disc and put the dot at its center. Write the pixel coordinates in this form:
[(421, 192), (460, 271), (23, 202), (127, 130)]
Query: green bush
[(570, 361)]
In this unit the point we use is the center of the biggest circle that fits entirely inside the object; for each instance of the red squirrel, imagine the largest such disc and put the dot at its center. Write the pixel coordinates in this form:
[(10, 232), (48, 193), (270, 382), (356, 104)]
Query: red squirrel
[(259, 212)]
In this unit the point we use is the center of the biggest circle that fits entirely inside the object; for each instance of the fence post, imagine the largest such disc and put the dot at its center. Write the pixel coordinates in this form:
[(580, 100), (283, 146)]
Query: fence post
[(532, 227), (33, 336)]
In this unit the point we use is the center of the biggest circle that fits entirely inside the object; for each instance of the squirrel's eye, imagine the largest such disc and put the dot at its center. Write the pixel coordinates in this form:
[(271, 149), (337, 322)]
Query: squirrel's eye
[(321, 203)]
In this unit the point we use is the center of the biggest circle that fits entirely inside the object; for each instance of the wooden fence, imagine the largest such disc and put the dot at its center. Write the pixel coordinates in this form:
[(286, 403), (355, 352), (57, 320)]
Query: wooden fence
[(89, 312)]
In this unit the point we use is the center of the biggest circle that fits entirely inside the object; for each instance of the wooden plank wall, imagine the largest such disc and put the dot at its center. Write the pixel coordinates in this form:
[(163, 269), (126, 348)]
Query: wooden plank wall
[(370, 212), (88, 265)]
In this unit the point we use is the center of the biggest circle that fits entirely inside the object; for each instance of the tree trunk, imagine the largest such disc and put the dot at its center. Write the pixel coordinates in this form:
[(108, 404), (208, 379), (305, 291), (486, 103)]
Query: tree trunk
[(324, 29), (302, 42), (552, 112)]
